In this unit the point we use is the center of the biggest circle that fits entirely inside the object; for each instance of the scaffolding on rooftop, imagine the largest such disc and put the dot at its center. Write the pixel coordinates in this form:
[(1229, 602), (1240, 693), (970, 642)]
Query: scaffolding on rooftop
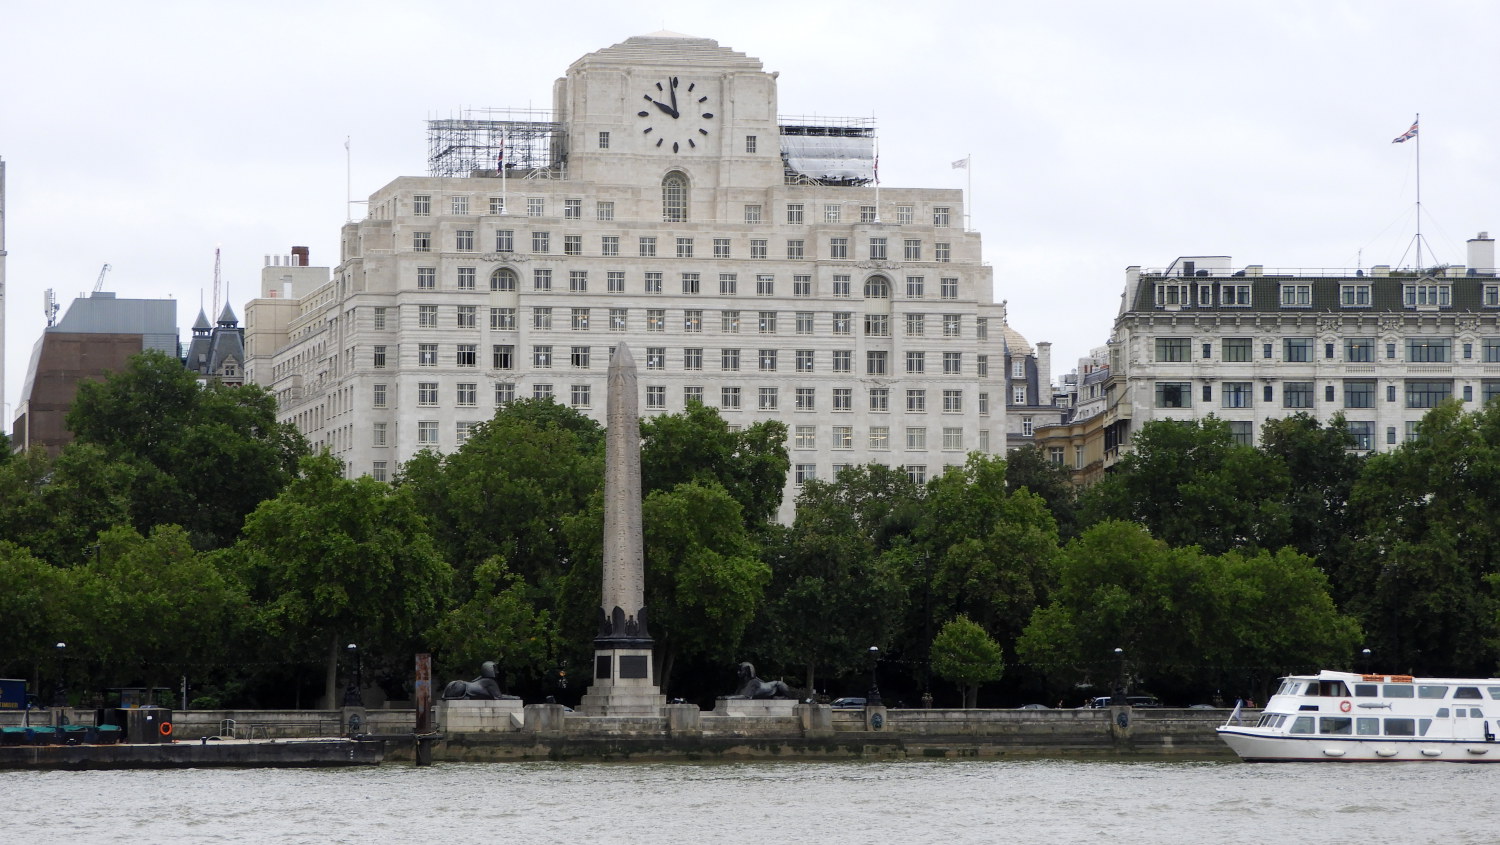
[(832, 151), (528, 143)]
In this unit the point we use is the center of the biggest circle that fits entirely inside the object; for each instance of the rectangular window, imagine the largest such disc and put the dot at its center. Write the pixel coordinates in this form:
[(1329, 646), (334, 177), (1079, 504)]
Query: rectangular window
[(916, 438), (605, 209), (804, 322), (867, 214), (647, 247), (905, 214), (916, 400), (572, 209), (1174, 394), (1427, 394), (875, 362), (427, 394), (378, 318), (749, 143), (421, 205), (1235, 296), (1363, 432), (841, 287), (503, 356), (614, 281), (877, 249), (460, 205), (427, 433), (911, 249), (916, 362), (377, 395), (1238, 394), (843, 437), (1296, 296), (1173, 349), (953, 401), (880, 438), (427, 316), (794, 211), (880, 399), (982, 365), (953, 363), (1427, 296), (942, 253), (729, 322), (505, 240), (505, 393), (541, 357), (729, 284), (753, 214), (652, 282), (838, 248), (497, 205), (692, 393), (541, 318), (466, 278), (952, 324), (915, 287), (1429, 350), (1242, 432), (579, 395), (1297, 394), (541, 278), (656, 357), (692, 358), (832, 213), (1297, 350), (541, 391), (805, 437), (466, 394), (572, 244), (842, 360), (843, 399), (684, 247), (541, 242), (1359, 393), (1359, 350), (378, 361), (377, 436), (656, 398), (948, 288), (656, 319), (757, 247), (767, 359), (426, 278), (691, 283), (536, 206), (579, 357), (1235, 350), (619, 319), (806, 399), (467, 316), (466, 355), (463, 240), (795, 248), (877, 325), (767, 398), (421, 242), (916, 324), (1354, 296), (729, 398), (692, 321), (729, 360)]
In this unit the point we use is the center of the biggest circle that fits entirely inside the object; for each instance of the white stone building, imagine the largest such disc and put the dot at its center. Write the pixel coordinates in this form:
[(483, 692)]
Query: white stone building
[(1381, 346), (750, 260)]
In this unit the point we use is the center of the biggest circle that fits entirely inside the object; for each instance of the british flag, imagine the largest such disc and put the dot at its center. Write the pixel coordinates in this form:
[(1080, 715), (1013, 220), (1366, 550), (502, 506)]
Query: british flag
[(1407, 135)]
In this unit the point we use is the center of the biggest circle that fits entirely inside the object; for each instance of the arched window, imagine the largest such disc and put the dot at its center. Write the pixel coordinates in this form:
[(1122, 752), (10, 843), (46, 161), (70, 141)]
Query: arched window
[(674, 197), (877, 287), (503, 279)]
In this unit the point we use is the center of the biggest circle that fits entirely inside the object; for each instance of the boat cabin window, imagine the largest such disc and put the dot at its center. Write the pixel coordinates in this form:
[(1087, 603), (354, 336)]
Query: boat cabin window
[(1493, 691), (1367, 727), (1367, 690), (1400, 727), (1422, 726), (1467, 692), (1336, 725), (1303, 725), (1476, 712), (1400, 691), (1337, 689), (1442, 713), (1431, 691)]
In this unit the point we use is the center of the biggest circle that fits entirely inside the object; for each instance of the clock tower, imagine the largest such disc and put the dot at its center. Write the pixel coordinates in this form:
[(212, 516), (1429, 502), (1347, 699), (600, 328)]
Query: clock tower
[(666, 101)]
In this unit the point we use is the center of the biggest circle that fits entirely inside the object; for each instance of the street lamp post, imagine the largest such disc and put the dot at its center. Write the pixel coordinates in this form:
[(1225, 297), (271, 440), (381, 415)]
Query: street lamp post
[(1120, 691), (873, 698), (59, 691), (354, 695)]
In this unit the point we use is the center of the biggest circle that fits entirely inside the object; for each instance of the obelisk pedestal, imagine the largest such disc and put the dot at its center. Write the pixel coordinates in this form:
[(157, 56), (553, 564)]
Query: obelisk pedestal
[(624, 680)]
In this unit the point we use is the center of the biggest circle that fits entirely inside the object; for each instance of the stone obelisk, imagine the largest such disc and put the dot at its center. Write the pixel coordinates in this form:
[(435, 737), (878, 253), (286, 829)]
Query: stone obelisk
[(623, 681)]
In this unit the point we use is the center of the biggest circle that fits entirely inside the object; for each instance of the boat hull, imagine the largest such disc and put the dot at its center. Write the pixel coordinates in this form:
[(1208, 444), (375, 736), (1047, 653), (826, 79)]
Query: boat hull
[(1254, 746)]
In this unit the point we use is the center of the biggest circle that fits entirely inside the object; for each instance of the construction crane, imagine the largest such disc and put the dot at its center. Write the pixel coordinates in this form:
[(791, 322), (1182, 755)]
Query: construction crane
[(99, 284)]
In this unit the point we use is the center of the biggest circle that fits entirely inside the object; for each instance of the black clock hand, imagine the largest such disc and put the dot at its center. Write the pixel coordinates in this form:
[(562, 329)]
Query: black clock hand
[(670, 111), (674, 96)]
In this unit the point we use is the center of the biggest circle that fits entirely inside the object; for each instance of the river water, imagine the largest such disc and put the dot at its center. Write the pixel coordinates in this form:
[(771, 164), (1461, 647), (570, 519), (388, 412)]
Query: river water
[(1193, 803)]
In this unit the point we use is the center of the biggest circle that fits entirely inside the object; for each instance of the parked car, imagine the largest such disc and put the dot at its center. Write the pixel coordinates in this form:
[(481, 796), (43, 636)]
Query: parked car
[(848, 704), (1033, 707), (1132, 700)]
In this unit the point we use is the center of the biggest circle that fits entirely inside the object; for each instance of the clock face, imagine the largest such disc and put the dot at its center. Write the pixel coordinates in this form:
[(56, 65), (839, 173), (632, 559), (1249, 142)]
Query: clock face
[(677, 115)]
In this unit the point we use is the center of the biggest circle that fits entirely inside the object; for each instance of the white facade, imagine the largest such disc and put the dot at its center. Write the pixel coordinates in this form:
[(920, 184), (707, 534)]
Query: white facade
[(665, 215), (1379, 346)]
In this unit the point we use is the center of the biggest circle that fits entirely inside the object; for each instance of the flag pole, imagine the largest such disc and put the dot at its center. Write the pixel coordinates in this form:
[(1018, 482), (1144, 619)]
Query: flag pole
[(969, 198), (348, 184), (1418, 122)]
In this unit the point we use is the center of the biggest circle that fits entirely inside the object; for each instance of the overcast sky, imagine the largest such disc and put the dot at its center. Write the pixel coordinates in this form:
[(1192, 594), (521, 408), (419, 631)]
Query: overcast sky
[(1102, 134)]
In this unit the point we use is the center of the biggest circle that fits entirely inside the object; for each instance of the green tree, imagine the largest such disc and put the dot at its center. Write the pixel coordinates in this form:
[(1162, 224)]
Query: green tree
[(836, 589), (38, 613), (57, 507), (499, 622), (1191, 484), (1321, 470), (203, 457), (1421, 574), (507, 491), (697, 445), (333, 560), (963, 653), (1028, 468)]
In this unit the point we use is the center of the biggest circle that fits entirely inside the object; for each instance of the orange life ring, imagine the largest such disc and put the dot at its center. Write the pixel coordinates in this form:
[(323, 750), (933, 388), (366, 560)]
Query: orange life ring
[(1344, 705), (166, 728)]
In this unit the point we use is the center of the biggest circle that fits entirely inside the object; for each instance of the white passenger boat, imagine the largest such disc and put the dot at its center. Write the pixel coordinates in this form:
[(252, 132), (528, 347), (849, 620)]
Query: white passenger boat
[(1348, 717)]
